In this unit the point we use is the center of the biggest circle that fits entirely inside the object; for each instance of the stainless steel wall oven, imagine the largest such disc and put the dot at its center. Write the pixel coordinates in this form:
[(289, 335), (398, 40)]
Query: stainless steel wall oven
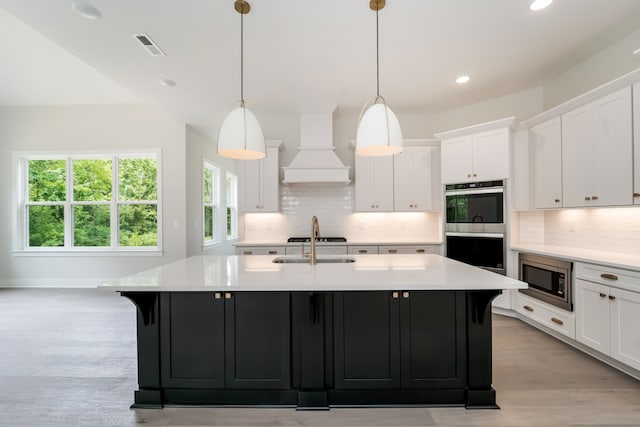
[(475, 224)]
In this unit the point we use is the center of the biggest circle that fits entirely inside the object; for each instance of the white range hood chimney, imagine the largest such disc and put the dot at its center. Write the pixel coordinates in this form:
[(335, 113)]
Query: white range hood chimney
[(316, 161)]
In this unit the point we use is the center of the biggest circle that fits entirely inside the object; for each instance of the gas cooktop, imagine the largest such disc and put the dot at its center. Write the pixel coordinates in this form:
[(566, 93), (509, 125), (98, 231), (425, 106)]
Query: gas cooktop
[(318, 239)]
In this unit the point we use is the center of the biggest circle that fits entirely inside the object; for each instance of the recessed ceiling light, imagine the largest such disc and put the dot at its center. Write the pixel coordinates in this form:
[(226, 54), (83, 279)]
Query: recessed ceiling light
[(85, 9), (167, 82), (463, 79), (539, 4)]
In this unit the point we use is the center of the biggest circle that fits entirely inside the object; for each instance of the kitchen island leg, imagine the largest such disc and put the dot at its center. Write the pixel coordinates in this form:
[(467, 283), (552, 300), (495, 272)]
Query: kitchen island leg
[(480, 393), (149, 394)]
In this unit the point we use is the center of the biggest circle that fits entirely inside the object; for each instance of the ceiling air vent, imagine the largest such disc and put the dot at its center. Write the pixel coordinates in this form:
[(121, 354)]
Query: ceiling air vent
[(149, 45)]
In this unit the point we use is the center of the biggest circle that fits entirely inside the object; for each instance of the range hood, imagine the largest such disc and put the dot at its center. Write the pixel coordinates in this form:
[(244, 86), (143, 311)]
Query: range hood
[(316, 161)]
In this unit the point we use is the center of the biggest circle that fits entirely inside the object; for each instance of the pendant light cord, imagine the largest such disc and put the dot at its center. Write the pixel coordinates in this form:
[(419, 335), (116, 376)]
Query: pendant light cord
[(377, 58), (242, 58)]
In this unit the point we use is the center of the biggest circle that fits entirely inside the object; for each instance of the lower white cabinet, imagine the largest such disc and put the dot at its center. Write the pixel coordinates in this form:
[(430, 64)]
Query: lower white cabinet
[(362, 250), (409, 249), (260, 250), (553, 318), (608, 317), (320, 250)]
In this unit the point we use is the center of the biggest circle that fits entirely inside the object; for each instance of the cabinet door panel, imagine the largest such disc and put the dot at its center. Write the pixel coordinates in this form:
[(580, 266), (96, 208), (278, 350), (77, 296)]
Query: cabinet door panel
[(491, 155), (625, 319), (433, 339), (270, 181), (193, 340), (547, 164), (456, 160), (367, 341), (258, 343), (592, 315), (578, 132), (374, 183), (251, 178), (613, 175), (412, 179)]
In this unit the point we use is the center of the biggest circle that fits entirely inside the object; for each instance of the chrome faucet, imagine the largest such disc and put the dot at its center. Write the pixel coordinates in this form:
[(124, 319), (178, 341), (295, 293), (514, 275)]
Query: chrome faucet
[(315, 232)]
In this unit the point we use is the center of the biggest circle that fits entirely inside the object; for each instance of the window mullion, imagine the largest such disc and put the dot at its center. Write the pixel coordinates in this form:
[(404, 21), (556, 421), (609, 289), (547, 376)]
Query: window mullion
[(115, 196), (68, 211)]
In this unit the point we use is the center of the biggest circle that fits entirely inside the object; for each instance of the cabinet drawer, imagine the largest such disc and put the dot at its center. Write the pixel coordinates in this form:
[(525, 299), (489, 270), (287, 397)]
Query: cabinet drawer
[(362, 250), (616, 277), (260, 250), (560, 321), (320, 249), (401, 249)]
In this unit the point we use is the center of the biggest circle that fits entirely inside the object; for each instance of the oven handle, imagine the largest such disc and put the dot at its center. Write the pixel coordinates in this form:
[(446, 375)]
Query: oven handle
[(456, 234), (474, 191)]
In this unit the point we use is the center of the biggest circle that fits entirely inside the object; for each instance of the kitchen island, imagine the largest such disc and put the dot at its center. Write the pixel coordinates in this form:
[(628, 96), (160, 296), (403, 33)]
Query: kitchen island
[(379, 330)]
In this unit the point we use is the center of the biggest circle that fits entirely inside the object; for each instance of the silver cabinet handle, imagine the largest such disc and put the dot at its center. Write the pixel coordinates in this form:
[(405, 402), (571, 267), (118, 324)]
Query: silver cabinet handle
[(612, 298), (587, 198), (609, 276), (594, 197), (557, 200), (603, 295), (247, 252), (273, 252), (526, 307), (363, 251), (420, 251), (392, 251)]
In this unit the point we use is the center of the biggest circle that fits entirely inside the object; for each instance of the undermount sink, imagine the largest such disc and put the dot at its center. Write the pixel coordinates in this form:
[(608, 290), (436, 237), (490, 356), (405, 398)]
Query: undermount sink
[(286, 260)]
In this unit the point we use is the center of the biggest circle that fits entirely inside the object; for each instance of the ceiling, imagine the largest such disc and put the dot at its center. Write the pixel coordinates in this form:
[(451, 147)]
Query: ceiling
[(298, 53)]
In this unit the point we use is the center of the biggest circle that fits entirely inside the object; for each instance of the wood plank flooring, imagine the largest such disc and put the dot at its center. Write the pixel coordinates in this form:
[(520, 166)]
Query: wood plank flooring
[(68, 358)]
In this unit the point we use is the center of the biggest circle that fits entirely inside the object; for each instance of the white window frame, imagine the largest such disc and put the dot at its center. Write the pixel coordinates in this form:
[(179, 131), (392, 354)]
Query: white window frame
[(21, 195), (231, 187), (215, 204)]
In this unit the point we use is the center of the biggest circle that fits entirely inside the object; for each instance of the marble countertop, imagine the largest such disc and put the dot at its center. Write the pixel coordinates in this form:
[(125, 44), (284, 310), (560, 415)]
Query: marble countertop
[(259, 273), (611, 259)]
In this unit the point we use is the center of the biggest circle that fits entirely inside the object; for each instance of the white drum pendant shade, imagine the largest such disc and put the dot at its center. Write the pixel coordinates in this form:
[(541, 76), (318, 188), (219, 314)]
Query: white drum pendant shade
[(379, 132), (241, 136)]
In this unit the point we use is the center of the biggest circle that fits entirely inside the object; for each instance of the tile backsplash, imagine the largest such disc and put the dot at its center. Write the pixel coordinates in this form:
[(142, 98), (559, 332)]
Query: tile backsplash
[(333, 205), (605, 229)]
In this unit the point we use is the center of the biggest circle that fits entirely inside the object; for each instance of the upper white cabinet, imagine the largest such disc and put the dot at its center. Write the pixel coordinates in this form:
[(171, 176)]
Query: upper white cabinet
[(596, 152), (476, 153), (374, 184), (258, 182), (636, 143), (412, 183), (546, 152)]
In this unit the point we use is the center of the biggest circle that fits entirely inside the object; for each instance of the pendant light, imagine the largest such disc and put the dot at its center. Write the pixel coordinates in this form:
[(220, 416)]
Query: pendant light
[(379, 132), (241, 135)]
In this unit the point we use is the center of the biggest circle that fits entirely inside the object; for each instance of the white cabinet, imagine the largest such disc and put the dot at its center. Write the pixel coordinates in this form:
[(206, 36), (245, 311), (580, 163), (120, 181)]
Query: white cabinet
[(259, 182), (607, 316), (546, 151), (260, 250), (374, 184), (596, 152), (469, 156), (362, 250), (412, 171), (408, 249), (553, 318), (636, 143)]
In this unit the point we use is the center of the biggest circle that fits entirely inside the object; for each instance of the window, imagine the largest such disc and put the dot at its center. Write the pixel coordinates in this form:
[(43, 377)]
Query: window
[(211, 202), (232, 206), (89, 201)]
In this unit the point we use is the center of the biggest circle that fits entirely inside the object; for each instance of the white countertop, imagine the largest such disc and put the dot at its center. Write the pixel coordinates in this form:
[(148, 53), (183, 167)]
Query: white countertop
[(348, 243), (259, 273), (611, 259)]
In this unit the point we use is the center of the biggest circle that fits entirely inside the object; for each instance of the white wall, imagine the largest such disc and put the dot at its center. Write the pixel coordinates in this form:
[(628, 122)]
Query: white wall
[(200, 147), (96, 127), (612, 62)]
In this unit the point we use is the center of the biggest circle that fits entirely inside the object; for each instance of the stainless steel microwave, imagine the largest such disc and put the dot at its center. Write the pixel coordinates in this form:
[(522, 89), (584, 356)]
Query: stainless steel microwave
[(549, 279)]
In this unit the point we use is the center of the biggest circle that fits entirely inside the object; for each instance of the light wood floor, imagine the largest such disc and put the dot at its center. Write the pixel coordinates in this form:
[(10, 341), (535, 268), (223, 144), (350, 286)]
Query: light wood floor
[(68, 358)]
